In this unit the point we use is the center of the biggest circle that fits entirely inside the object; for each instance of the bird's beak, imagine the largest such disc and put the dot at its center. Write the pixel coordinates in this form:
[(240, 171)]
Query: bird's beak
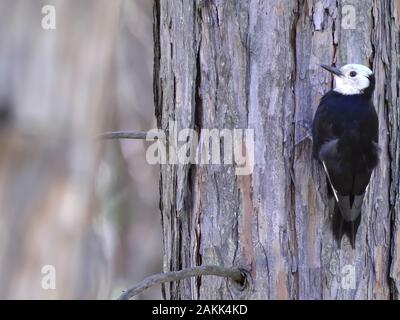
[(332, 69)]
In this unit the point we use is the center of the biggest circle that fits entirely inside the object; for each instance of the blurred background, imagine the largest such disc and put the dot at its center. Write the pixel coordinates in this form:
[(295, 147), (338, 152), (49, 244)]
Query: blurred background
[(87, 207)]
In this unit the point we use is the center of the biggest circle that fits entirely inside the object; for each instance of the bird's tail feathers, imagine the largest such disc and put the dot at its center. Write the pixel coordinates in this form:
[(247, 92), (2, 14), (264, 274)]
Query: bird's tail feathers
[(342, 226)]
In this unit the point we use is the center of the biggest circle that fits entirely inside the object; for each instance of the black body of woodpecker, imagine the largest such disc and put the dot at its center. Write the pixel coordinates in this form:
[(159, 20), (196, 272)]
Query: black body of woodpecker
[(345, 140)]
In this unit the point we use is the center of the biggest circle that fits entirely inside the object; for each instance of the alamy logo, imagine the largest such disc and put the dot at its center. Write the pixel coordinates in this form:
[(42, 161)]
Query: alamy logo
[(49, 18), (348, 277), (211, 146), (348, 17), (49, 277)]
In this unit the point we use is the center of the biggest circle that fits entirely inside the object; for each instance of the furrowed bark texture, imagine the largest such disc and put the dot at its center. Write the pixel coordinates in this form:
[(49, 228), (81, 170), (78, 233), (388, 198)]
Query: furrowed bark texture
[(254, 64)]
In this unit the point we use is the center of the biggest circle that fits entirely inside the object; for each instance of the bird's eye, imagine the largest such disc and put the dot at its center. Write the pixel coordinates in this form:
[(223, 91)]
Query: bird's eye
[(353, 74)]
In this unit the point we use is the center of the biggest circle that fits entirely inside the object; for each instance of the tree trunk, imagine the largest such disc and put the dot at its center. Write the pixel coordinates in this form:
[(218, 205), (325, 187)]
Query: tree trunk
[(254, 64)]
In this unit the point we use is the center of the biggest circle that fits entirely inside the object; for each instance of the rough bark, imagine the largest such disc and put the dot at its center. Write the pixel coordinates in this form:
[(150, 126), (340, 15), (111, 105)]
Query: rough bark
[(254, 64)]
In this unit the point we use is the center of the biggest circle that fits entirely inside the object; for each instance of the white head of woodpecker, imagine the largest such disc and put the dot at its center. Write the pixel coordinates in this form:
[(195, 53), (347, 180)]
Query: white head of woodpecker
[(352, 79)]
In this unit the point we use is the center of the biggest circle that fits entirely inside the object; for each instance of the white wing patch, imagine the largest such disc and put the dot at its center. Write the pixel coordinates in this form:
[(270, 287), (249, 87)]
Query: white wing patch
[(330, 182)]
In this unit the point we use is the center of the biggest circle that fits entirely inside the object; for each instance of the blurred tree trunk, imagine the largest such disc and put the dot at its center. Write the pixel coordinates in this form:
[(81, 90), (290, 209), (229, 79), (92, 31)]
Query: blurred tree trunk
[(54, 99), (254, 64)]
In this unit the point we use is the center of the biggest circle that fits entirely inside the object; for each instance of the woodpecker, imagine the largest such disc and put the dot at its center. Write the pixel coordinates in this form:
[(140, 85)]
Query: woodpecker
[(345, 141)]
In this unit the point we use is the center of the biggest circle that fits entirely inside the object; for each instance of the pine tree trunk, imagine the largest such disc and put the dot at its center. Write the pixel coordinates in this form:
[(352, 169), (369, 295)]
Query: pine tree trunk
[(254, 64)]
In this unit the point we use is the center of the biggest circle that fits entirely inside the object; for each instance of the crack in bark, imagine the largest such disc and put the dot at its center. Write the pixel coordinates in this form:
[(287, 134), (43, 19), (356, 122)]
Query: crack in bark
[(335, 45), (292, 244), (197, 124), (393, 184), (157, 61)]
